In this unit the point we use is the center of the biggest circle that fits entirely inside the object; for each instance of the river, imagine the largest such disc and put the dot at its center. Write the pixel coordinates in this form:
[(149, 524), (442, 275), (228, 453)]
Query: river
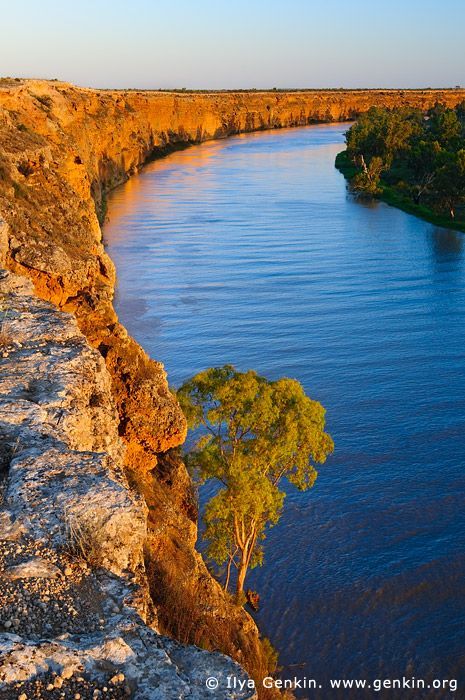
[(250, 251)]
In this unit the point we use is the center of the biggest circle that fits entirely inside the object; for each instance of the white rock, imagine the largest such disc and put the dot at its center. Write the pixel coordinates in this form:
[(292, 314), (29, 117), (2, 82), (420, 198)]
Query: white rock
[(9, 528), (32, 568)]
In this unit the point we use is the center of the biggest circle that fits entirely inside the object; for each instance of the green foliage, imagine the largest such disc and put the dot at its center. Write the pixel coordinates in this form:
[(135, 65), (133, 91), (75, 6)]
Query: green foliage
[(254, 433), (444, 126), (345, 165), (421, 157), (367, 180), (383, 133)]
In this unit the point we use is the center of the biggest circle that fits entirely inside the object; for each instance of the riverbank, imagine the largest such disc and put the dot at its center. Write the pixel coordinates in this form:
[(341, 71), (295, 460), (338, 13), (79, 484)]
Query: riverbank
[(394, 198)]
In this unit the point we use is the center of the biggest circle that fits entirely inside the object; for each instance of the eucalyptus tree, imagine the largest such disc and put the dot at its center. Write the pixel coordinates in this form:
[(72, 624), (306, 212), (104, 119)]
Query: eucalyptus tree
[(251, 434)]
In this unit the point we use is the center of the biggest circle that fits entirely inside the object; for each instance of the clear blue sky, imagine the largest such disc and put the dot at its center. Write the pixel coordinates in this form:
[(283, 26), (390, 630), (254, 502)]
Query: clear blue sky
[(236, 43)]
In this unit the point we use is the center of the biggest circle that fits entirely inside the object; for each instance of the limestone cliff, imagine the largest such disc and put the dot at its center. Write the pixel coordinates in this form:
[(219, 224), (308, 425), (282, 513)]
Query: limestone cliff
[(73, 585), (61, 149)]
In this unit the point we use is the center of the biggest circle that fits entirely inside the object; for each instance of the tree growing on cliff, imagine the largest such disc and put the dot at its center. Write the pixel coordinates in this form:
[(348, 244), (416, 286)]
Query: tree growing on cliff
[(251, 435)]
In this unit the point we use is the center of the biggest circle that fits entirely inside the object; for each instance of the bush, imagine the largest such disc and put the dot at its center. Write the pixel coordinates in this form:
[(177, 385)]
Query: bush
[(45, 100)]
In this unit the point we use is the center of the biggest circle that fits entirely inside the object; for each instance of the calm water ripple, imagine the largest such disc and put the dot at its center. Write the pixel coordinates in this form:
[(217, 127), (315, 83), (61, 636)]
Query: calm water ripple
[(250, 251)]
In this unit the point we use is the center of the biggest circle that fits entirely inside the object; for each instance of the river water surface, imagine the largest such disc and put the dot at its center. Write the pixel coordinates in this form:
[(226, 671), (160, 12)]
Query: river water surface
[(250, 251)]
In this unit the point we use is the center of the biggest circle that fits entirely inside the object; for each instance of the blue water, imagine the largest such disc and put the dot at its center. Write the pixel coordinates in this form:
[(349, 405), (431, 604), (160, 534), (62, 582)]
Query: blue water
[(250, 251)]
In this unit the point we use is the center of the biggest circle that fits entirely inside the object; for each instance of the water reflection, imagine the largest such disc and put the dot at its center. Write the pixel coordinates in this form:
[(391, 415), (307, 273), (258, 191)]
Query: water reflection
[(447, 243)]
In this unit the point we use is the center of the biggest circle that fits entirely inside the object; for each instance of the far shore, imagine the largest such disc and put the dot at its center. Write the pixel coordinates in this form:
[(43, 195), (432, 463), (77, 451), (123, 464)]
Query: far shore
[(391, 196)]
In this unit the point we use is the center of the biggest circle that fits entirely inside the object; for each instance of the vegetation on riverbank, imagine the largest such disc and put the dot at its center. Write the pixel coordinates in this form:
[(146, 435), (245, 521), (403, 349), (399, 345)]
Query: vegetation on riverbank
[(412, 161)]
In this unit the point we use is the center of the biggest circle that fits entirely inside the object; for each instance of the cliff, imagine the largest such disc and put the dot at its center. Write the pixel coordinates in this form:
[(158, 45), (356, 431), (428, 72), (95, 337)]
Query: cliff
[(61, 149), (73, 593)]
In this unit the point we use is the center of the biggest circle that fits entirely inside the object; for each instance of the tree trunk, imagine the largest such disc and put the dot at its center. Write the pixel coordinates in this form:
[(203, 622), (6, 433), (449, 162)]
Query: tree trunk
[(246, 546), (364, 165), (241, 574), (228, 570), (228, 575)]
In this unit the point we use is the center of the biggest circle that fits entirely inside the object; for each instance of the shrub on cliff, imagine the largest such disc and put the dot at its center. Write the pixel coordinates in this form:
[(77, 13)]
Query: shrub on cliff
[(253, 434)]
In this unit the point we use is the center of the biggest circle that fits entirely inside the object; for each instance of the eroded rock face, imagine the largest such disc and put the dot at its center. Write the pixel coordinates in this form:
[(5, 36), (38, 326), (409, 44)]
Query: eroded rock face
[(74, 596), (59, 429), (134, 659), (60, 149)]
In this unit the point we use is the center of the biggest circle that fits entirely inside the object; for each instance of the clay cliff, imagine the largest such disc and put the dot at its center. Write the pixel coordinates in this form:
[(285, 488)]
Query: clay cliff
[(62, 149)]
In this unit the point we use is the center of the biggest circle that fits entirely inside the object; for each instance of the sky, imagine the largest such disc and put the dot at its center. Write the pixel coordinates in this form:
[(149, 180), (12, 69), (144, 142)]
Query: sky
[(235, 43)]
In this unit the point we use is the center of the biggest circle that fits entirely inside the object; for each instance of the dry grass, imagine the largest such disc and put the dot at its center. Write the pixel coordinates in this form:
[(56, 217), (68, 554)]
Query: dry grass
[(85, 537), (44, 100), (183, 615), (4, 172), (10, 82), (6, 339), (7, 336)]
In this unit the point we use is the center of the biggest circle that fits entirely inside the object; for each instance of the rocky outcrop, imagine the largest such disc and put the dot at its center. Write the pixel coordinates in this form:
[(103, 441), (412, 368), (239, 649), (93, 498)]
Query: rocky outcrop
[(102, 422), (74, 598), (59, 430)]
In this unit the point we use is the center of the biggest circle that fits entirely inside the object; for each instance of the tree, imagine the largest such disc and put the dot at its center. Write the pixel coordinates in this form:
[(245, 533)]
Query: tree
[(450, 182), (383, 133), (460, 110), (423, 159), (367, 181), (251, 434), (444, 125), (405, 152)]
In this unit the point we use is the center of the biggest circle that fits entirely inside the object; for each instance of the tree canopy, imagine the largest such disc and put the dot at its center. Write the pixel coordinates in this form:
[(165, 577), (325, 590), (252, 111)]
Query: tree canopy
[(251, 434), (421, 155)]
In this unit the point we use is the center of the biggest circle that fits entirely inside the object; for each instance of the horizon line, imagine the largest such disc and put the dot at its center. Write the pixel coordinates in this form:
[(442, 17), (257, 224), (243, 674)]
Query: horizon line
[(236, 89)]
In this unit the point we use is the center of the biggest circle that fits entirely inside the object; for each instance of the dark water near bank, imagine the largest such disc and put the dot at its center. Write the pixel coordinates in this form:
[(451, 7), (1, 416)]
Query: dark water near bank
[(249, 251)]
